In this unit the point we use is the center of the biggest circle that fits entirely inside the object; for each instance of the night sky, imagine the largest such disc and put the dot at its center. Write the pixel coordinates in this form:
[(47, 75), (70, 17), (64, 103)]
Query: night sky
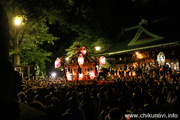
[(112, 15)]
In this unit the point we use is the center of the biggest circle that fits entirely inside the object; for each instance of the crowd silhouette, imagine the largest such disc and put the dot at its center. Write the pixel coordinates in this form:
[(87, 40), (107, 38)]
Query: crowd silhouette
[(144, 93)]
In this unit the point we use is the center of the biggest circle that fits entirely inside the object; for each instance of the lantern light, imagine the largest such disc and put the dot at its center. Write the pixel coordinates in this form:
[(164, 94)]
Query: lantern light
[(92, 75), (69, 76), (83, 50), (80, 76), (139, 56), (102, 60), (57, 63), (81, 60)]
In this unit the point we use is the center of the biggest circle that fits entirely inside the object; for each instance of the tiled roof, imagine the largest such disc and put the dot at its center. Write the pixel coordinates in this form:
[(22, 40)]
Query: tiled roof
[(137, 38)]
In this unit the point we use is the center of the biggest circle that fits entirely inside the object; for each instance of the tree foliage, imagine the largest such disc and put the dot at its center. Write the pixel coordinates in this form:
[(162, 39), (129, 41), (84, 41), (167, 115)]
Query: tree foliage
[(90, 23), (33, 31)]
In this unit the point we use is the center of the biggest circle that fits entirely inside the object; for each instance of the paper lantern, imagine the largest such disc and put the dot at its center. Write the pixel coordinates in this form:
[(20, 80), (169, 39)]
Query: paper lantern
[(92, 75), (83, 50), (69, 76), (81, 60), (57, 63), (80, 76), (102, 60)]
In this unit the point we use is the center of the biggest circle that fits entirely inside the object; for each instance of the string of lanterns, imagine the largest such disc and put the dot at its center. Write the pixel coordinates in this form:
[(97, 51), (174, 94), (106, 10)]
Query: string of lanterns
[(81, 61)]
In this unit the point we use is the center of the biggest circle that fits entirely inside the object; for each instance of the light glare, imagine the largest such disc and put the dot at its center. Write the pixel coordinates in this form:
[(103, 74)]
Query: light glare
[(97, 48), (53, 74), (18, 20)]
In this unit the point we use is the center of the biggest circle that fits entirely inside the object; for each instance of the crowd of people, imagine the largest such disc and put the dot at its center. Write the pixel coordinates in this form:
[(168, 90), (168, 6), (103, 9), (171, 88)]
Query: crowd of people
[(144, 93)]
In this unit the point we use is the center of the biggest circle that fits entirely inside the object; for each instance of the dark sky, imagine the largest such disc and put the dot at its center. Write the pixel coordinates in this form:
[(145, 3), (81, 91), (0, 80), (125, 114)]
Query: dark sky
[(111, 15)]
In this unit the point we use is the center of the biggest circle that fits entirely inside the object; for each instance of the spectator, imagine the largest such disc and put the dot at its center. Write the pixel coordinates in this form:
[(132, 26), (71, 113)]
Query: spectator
[(114, 114), (76, 111), (89, 107)]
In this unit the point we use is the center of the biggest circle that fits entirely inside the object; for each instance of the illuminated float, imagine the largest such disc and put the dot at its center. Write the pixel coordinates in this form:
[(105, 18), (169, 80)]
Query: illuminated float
[(80, 66)]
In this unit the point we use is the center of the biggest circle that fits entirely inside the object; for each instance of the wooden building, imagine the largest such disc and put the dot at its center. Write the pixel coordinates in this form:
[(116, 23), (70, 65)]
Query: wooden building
[(137, 46)]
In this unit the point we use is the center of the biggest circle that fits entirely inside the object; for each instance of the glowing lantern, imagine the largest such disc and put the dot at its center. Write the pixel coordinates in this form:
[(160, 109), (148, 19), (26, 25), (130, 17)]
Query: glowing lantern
[(69, 76), (57, 63), (102, 60), (92, 75), (81, 59), (80, 76), (83, 50)]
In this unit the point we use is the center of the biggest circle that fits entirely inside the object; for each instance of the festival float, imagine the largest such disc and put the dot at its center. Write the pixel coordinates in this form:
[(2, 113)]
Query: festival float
[(80, 66)]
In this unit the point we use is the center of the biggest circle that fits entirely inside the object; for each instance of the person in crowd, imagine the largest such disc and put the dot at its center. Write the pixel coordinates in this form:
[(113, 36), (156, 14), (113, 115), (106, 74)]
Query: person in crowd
[(88, 106), (103, 73), (75, 109)]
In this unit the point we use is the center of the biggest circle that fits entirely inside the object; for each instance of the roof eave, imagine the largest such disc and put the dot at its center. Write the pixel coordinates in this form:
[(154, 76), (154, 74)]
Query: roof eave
[(140, 48)]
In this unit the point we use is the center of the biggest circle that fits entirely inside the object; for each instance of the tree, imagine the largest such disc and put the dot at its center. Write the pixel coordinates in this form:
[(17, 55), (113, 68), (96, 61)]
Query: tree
[(33, 30), (90, 23)]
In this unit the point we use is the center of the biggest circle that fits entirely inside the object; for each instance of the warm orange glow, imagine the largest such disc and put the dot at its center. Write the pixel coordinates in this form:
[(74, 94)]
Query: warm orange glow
[(81, 60), (92, 75), (69, 76), (133, 73), (139, 56), (80, 76)]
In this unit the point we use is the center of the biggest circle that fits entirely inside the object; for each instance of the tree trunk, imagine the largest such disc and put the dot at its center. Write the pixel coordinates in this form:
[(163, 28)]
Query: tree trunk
[(16, 56), (16, 59)]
